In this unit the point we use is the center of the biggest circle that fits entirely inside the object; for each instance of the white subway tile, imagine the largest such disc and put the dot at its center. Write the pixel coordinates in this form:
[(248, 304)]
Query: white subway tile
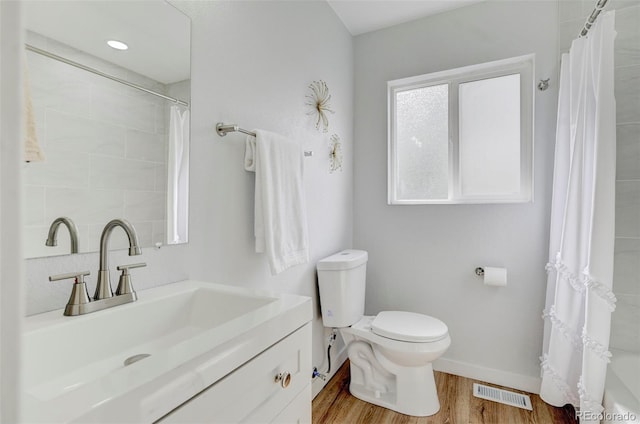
[(569, 10), (161, 178), (85, 206), (127, 111), (626, 271), (158, 232), (627, 46), (628, 152), (144, 205), (627, 92), (147, 146), (71, 132), (624, 323), (60, 169), (144, 230), (34, 205), (567, 32), (112, 173), (628, 208)]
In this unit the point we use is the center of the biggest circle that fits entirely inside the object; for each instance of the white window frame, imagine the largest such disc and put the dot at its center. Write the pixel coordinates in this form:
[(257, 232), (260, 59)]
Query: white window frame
[(523, 65)]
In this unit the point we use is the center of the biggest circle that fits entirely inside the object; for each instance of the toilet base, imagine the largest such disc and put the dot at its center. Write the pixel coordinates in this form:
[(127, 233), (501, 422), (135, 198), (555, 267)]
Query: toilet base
[(407, 390), (363, 394), (394, 375)]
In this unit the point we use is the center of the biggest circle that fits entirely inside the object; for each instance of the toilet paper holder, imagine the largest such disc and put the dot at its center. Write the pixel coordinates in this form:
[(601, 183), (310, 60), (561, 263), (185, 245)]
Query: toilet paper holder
[(479, 271)]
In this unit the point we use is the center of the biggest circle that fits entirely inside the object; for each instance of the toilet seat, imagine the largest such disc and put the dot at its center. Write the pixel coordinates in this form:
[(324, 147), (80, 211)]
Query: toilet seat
[(409, 327), (406, 354)]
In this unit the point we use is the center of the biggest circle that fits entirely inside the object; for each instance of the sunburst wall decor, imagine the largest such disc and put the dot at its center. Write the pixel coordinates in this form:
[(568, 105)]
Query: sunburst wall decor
[(335, 154), (319, 102)]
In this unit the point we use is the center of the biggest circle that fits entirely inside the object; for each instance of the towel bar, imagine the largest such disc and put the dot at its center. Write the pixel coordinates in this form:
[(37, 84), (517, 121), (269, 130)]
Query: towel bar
[(223, 129)]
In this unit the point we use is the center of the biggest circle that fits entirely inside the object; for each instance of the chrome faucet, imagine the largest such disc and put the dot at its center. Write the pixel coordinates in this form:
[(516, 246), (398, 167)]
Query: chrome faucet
[(52, 239), (103, 287)]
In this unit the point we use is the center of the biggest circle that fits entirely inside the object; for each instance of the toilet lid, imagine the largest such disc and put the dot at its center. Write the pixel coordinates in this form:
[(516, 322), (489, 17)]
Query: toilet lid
[(408, 327)]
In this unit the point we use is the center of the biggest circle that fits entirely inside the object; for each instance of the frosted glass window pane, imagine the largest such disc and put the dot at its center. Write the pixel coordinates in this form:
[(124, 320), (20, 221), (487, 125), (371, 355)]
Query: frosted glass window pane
[(489, 136), (422, 149)]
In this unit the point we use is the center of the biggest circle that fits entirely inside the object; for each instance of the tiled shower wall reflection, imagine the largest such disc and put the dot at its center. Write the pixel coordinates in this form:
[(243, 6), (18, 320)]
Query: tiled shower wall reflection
[(626, 281), (105, 146)]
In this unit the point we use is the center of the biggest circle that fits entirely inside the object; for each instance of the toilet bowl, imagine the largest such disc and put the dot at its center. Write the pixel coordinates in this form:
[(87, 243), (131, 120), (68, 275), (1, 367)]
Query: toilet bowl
[(391, 353)]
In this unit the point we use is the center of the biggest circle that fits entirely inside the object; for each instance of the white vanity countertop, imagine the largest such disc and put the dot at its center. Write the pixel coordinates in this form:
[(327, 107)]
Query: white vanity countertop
[(188, 353)]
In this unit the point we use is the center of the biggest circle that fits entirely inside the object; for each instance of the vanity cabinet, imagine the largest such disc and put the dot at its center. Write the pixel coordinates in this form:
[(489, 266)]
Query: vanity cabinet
[(273, 387)]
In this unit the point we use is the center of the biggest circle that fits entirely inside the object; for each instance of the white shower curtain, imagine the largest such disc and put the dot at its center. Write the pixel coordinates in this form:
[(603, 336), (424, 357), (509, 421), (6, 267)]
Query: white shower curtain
[(579, 297), (178, 175)]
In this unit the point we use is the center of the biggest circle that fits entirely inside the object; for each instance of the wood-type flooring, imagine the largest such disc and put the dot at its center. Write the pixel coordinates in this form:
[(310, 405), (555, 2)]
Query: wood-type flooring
[(335, 405)]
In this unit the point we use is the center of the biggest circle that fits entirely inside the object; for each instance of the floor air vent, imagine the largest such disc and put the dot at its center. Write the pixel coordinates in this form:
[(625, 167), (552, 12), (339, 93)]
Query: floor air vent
[(502, 396)]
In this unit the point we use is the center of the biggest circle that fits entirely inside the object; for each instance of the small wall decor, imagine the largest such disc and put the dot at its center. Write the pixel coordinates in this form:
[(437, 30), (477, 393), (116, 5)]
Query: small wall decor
[(335, 153), (318, 99)]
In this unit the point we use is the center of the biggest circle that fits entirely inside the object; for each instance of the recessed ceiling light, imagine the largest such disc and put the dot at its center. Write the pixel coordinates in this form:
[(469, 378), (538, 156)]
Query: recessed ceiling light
[(118, 45)]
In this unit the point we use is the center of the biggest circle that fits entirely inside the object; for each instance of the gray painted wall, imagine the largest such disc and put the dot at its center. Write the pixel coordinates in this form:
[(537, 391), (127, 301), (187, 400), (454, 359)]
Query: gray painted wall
[(422, 258)]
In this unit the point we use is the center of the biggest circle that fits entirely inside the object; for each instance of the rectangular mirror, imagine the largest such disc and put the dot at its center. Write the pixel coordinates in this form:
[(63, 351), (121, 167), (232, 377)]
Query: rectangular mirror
[(113, 125)]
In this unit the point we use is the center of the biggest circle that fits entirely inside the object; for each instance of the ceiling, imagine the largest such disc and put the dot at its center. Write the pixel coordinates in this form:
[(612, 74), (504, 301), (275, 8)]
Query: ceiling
[(150, 27), (157, 33), (360, 16)]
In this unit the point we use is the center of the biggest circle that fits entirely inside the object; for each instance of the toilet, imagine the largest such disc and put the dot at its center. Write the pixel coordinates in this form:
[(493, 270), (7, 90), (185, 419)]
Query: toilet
[(390, 353)]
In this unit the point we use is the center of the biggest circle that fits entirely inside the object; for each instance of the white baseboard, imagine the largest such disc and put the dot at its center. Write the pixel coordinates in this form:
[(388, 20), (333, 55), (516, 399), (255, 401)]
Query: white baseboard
[(318, 384), (463, 369), (489, 375)]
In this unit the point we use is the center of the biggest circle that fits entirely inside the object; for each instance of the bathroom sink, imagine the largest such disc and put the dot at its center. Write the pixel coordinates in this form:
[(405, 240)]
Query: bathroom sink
[(140, 360)]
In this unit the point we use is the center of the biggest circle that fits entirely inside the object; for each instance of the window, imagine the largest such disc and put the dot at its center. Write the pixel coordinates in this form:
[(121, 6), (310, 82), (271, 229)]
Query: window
[(463, 135)]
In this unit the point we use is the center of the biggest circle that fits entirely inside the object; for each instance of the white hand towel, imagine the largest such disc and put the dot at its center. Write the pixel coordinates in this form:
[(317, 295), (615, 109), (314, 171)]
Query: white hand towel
[(280, 225)]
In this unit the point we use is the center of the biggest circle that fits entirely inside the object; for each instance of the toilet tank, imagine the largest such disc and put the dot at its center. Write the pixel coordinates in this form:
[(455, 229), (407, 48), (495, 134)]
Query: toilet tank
[(342, 280)]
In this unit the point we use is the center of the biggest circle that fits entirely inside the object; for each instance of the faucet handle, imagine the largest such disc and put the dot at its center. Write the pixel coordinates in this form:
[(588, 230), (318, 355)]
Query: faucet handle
[(78, 276), (124, 285), (125, 268), (79, 295)]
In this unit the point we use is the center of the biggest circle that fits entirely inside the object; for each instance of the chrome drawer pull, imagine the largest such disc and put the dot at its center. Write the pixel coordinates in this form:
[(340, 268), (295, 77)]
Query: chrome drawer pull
[(284, 378)]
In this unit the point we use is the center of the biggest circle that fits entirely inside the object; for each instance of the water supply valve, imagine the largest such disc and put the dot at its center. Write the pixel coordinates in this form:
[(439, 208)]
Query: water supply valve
[(318, 374)]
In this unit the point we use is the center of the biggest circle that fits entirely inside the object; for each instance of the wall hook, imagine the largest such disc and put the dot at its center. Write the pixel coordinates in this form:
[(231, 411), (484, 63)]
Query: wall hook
[(543, 84)]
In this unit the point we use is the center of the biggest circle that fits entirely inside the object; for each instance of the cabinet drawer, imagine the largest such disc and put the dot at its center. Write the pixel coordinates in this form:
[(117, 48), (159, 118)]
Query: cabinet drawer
[(251, 392), (298, 411)]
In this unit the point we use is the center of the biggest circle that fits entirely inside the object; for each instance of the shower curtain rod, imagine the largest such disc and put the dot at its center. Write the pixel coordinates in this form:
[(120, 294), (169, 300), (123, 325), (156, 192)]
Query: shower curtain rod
[(592, 18), (102, 74)]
